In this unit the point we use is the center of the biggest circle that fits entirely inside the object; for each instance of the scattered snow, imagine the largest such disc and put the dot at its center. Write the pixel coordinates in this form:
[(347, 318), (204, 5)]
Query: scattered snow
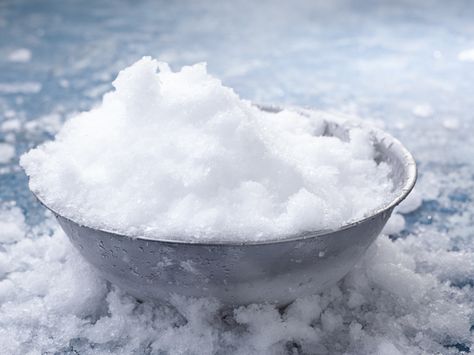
[(451, 123), (20, 88), (411, 203), (12, 224), (395, 224), (423, 111), (50, 123), (7, 152), (64, 83), (21, 55), (10, 138), (11, 125), (437, 54), (9, 113), (394, 301), (466, 55)]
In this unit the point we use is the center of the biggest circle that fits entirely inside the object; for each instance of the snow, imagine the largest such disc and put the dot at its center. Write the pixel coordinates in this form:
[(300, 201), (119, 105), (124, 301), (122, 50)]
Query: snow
[(12, 225), (7, 152), (20, 88), (191, 159), (50, 123), (11, 125), (423, 110), (411, 293), (411, 203), (20, 55), (395, 224), (391, 302), (466, 55), (451, 123)]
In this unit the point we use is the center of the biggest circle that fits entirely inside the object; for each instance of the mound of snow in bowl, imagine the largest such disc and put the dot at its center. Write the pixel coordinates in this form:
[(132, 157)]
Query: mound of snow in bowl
[(179, 155)]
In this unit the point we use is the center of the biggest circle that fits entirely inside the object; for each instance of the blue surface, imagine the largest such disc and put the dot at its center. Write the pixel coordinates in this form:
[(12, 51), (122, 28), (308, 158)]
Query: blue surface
[(377, 60)]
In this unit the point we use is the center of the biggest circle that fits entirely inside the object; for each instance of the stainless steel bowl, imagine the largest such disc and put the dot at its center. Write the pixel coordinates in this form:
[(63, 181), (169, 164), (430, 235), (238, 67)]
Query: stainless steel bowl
[(276, 271)]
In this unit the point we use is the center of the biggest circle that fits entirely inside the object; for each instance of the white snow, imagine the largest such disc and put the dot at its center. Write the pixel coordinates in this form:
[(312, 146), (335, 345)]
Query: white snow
[(7, 152), (11, 125), (451, 123), (394, 301), (466, 55), (12, 224), (411, 203), (395, 224), (423, 110), (20, 55), (50, 123), (193, 160), (20, 88)]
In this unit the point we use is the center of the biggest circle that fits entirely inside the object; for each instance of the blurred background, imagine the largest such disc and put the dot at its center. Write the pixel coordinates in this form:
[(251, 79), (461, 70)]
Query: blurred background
[(408, 66)]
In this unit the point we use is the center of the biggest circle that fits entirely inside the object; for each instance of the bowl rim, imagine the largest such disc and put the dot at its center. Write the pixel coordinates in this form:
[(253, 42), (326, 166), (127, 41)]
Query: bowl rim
[(392, 143)]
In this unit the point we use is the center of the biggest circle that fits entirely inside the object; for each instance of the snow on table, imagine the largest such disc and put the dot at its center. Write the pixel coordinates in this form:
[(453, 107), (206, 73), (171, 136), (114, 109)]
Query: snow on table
[(405, 67)]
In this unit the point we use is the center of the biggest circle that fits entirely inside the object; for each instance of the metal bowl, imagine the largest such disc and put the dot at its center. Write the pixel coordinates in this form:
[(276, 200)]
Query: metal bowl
[(275, 271)]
